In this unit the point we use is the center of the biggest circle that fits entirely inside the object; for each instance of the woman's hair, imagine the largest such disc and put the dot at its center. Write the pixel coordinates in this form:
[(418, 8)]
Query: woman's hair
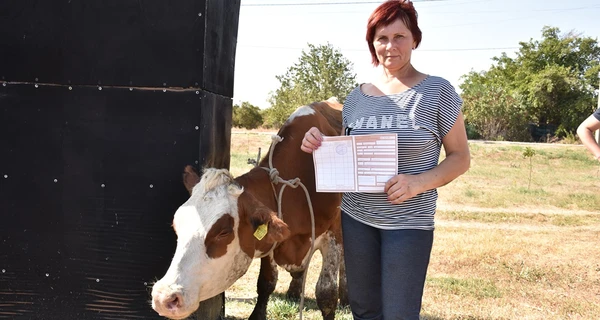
[(386, 14)]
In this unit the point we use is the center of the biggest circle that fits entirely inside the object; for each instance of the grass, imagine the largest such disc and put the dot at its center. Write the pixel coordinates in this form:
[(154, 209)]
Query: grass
[(470, 287), (501, 250), (244, 146), (525, 218), (563, 177)]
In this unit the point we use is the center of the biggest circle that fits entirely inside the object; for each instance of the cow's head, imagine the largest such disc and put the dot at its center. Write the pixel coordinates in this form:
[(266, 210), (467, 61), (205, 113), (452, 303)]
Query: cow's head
[(216, 241)]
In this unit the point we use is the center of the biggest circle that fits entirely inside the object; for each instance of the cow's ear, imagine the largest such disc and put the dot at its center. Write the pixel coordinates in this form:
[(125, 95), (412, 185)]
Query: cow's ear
[(265, 223), (190, 178), (277, 229)]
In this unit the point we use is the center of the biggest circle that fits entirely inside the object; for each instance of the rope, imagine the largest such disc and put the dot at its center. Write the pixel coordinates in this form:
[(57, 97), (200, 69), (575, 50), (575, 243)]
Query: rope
[(294, 183)]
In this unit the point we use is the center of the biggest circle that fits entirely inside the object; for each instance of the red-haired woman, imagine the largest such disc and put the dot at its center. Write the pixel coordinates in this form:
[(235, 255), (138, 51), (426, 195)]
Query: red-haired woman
[(388, 236)]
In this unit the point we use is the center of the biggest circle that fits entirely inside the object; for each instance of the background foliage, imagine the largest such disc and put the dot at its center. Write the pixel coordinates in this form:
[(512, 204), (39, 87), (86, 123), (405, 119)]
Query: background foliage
[(549, 87), (321, 72), (542, 91), (247, 116)]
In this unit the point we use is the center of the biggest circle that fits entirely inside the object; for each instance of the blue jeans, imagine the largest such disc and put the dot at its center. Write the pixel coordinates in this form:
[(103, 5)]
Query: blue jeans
[(385, 269)]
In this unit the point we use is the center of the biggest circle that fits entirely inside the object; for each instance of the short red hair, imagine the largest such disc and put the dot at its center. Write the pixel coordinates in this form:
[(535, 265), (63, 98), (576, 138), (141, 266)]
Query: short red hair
[(386, 14)]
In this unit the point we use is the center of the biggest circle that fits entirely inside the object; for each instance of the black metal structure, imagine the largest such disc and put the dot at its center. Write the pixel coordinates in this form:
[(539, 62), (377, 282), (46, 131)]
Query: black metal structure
[(102, 104)]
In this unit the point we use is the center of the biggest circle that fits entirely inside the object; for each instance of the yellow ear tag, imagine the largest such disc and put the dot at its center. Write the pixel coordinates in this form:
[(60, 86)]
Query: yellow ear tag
[(261, 231)]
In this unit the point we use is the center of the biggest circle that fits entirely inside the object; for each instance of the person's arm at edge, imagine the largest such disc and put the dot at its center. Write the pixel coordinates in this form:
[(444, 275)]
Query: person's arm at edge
[(585, 131)]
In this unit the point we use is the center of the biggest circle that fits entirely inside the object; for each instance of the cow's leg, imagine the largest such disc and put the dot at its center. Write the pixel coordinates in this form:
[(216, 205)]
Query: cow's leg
[(327, 286), (343, 285), (295, 288), (267, 279)]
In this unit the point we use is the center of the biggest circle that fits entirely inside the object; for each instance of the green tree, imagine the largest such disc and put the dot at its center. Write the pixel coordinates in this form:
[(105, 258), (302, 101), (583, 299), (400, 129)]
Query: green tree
[(247, 116), (551, 82), (491, 112), (321, 72)]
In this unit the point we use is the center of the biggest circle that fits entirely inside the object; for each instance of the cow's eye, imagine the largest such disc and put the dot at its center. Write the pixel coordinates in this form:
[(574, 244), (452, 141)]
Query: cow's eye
[(224, 233)]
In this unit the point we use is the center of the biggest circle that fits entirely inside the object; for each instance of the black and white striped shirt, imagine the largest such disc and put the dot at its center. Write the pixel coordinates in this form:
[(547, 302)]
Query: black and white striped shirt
[(420, 116)]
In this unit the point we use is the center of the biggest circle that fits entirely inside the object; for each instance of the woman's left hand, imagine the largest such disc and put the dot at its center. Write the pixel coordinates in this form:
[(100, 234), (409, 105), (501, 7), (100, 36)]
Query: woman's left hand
[(402, 187)]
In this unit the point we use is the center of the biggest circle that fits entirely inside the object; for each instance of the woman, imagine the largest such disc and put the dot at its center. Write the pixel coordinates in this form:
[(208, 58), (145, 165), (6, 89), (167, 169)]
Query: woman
[(586, 133), (388, 236)]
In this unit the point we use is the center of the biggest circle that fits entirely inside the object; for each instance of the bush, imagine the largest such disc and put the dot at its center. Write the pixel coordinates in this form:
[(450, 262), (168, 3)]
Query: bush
[(246, 116)]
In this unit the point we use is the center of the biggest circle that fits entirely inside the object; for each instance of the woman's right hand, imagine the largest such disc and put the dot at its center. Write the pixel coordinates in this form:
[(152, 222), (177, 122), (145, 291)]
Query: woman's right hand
[(312, 140)]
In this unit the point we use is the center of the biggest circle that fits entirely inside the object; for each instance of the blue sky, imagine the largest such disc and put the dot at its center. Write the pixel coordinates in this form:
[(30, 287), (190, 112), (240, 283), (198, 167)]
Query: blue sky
[(458, 35)]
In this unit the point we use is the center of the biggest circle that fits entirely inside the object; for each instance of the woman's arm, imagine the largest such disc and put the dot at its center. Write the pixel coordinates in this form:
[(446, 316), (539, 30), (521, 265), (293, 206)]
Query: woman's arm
[(586, 134), (458, 159)]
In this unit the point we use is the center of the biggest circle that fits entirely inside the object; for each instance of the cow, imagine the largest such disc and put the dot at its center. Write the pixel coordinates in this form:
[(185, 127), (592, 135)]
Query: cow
[(227, 222)]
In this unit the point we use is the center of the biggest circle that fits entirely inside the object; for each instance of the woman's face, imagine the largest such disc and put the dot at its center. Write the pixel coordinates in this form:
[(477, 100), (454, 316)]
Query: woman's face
[(393, 45)]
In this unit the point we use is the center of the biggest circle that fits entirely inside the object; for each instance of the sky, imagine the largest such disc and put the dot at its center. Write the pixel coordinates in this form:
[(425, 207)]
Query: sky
[(459, 36)]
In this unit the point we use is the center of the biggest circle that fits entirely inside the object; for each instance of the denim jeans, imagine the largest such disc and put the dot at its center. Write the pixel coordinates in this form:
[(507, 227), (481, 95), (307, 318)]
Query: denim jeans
[(385, 269)]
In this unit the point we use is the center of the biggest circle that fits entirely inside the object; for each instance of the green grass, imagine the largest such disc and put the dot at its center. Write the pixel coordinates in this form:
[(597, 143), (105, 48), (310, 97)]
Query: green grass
[(280, 308), (536, 218), (471, 287), (563, 177), (522, 272), (244, 146)]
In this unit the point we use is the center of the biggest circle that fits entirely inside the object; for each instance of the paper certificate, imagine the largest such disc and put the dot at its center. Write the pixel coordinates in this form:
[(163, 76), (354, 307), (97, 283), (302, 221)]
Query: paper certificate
[(362, 163)]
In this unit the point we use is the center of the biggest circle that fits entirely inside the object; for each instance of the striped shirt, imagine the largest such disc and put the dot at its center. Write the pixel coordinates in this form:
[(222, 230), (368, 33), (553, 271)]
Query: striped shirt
[(597, 114), (420, 116)]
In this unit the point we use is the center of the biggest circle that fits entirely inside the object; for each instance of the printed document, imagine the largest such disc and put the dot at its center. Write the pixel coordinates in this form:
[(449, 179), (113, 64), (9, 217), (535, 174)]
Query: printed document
[(361, 163)]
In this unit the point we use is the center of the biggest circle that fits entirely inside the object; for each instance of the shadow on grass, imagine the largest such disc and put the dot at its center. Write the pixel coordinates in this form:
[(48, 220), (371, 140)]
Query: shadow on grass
[(251, 301), (426, 316), (430, 317), (311, 304), (423, 317)]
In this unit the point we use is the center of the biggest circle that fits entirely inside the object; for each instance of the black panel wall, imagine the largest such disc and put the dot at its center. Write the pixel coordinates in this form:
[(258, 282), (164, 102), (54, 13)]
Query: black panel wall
[(102, 104), (127, 42)]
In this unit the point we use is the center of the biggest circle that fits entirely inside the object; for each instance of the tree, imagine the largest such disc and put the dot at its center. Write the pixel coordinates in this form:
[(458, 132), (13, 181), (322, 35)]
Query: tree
[(321, 72), (491, 113), (550, 83), (247, 116)]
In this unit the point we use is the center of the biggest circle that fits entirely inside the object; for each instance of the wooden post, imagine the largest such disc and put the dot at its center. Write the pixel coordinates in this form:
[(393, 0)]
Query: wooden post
[(213, 309)]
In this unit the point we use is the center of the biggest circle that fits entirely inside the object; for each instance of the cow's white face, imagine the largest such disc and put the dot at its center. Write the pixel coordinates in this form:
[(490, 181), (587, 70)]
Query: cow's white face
[(208, 258), (215, 241)]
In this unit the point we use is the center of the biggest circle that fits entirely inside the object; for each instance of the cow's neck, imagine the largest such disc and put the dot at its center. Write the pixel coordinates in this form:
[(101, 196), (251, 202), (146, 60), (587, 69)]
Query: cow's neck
[(288, 160), (257, 182)]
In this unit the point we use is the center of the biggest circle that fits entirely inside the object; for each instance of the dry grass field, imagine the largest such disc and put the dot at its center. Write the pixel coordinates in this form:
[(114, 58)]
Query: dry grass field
[(506, 246)]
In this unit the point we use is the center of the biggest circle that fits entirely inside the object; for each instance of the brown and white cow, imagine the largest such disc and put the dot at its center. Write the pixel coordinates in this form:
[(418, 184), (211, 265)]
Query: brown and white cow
[(216, 226)]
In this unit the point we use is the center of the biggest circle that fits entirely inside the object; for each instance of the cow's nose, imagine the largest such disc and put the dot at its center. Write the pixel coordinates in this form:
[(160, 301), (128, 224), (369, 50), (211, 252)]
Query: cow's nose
[(173, 302), (167, 303)]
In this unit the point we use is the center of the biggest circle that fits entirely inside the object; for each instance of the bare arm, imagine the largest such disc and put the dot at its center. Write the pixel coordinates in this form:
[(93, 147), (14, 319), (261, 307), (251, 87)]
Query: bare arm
[(586, 134), (458, 159)]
